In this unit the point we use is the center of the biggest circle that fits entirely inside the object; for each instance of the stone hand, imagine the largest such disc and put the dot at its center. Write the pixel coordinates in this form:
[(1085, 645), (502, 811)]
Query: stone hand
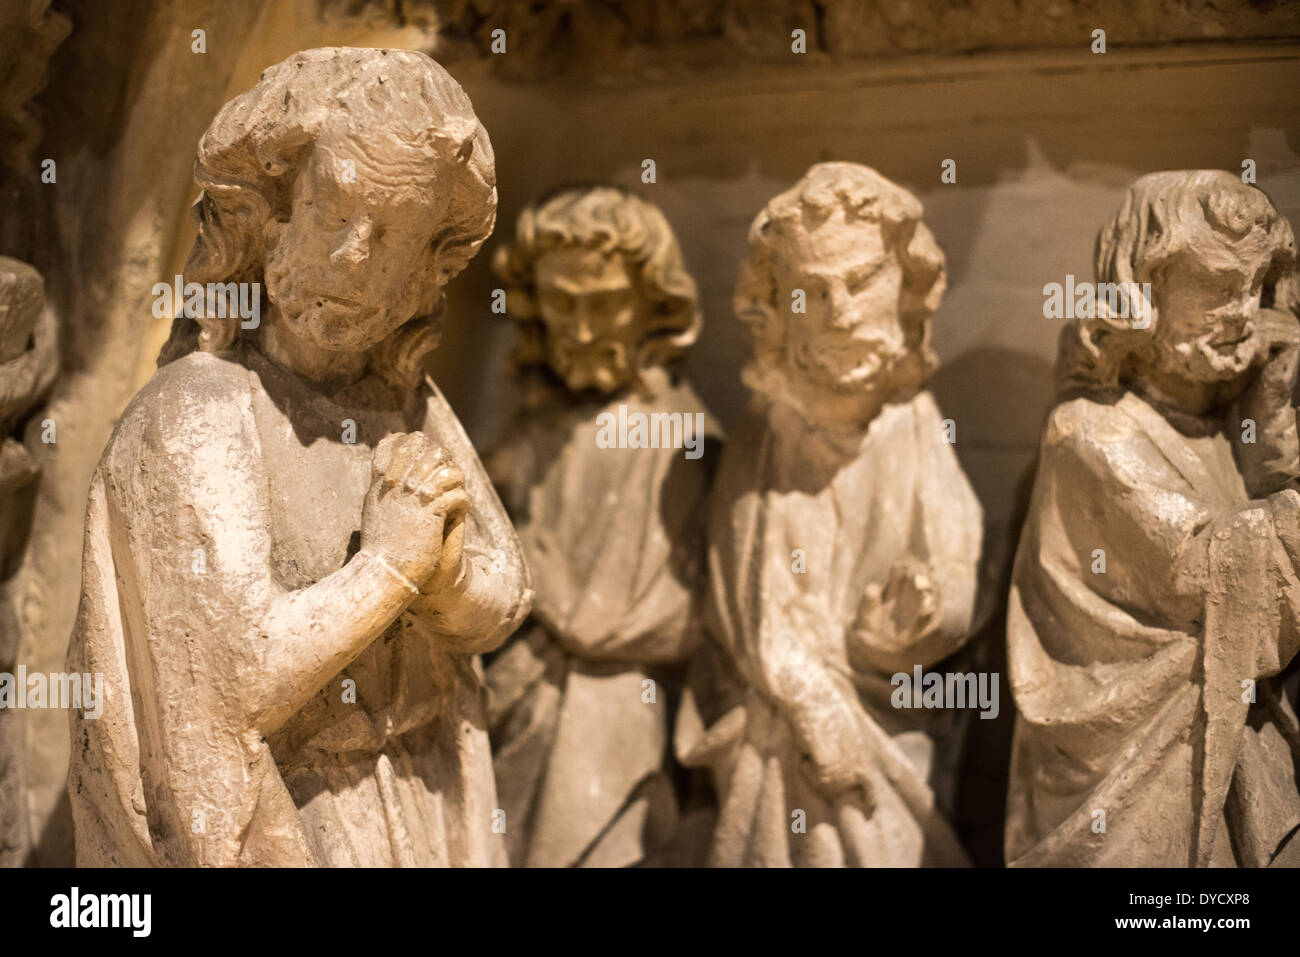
[(416, 496), (890, 616)]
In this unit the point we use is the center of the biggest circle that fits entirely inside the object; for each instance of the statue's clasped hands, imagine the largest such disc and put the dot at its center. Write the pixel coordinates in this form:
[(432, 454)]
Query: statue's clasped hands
[(413, 517)]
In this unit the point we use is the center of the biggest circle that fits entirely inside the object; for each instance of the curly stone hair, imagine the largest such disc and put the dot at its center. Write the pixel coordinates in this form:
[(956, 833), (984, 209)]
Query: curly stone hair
[(866, 196), (250, 155), (1163, 217), (614, 221)]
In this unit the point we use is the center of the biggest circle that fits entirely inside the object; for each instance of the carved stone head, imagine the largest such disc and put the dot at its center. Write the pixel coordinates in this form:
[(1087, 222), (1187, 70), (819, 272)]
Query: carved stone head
[(354, 184), (597, 285), (839, 283), (1214, 251)]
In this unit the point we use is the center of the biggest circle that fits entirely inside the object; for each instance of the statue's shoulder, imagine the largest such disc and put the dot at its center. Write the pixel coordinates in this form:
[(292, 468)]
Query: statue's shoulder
[(1102, 430), (202, 372), (199, 397)]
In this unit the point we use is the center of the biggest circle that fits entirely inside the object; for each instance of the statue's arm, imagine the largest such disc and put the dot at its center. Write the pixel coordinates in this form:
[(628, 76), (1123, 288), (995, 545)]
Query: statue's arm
[(192, 487), (925, 610)]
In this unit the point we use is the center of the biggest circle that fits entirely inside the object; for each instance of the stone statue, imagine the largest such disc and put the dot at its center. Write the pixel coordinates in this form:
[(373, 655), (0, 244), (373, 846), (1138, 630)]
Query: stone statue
[(292, 552), (29, 360), (611, 520), (1155, 593), (844, 540)]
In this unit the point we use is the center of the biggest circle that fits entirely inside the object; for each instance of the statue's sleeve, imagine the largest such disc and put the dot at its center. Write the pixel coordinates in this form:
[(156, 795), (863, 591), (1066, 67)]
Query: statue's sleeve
[(1141, 575), (178, 582), (926, 610)]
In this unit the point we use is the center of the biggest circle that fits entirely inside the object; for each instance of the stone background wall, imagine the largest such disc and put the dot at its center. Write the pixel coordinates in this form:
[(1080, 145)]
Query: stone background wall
[(1044, 132)]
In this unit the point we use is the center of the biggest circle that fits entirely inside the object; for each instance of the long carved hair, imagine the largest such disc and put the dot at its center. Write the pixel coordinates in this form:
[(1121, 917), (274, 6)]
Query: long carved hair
[(1164, 216), (614, 221), (250, 155)]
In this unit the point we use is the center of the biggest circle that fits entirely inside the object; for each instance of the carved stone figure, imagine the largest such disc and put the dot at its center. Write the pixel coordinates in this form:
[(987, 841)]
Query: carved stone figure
[(613, 530), (292, 552), (1155, 594), (29, 360), (844, 540)]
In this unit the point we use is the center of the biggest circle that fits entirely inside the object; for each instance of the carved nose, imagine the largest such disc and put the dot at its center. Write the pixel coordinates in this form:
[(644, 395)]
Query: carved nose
[(582, 326)]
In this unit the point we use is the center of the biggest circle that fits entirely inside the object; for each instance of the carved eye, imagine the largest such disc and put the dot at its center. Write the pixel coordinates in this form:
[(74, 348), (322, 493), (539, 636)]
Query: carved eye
[(611, 301), (859, 280)]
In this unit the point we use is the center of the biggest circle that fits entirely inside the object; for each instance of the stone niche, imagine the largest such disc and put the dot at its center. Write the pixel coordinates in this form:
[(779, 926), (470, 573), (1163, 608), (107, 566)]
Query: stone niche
[(732, 101)]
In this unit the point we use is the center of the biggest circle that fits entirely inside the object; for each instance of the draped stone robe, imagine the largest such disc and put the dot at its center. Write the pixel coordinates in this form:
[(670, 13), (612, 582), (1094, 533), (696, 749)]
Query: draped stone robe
[(614, 538), (224, 484), (1137, 742), (804, 521)]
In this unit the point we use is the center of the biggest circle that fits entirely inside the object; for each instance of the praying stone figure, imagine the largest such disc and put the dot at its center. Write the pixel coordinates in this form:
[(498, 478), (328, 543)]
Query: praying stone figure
[(29, 360), (293, 554), (844, 541), (605, 473), (1155, 596)]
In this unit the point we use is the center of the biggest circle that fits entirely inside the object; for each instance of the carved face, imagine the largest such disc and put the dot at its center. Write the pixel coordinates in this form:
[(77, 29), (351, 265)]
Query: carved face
[(354, 261), (1205, 330), (851, 282), (593, 314)]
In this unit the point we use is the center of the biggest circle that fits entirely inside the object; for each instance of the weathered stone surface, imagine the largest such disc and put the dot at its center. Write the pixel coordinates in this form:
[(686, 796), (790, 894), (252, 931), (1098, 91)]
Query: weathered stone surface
[(292, 551), (612, 527), (1154, 598), (844, 540), (29, 360), (127, 100)]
